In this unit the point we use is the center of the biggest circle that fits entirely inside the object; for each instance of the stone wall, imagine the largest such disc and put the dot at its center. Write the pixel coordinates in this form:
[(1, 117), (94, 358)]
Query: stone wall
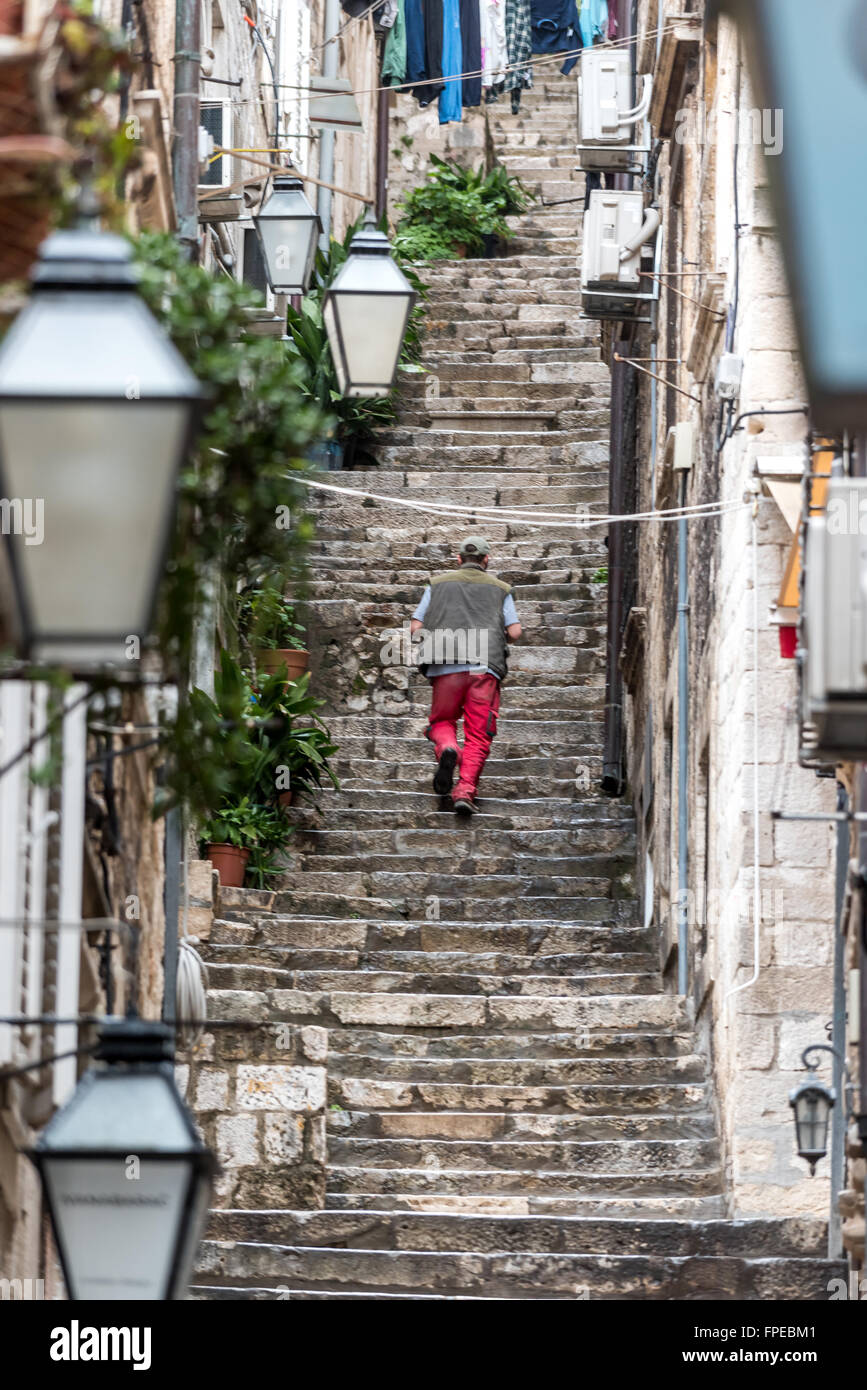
[(258, 1089), (756, 1034)]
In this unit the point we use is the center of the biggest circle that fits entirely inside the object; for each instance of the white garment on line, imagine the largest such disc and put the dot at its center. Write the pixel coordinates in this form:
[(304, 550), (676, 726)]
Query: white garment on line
[(494, 55)]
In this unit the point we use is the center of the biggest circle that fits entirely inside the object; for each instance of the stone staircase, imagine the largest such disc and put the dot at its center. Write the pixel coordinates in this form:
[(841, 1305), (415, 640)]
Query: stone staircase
[(516, 1106)]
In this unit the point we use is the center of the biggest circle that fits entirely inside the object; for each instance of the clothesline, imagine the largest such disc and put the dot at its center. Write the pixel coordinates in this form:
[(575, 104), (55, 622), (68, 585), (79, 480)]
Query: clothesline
[(577, 522), (539, 60)]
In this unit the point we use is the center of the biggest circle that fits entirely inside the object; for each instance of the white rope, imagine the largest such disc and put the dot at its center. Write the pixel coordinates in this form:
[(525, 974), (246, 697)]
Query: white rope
[(694, 511), (191, 997)]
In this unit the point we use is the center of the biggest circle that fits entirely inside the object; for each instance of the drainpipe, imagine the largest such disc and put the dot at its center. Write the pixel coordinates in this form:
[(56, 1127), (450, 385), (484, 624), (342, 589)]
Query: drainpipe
[(185, 147), (859, 469), (838, 1035), (381, 147), (612, 749), (330, 57), (682, 748)]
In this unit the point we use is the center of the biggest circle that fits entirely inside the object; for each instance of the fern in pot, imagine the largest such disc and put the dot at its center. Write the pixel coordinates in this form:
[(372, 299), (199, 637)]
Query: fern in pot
[(273, 635)]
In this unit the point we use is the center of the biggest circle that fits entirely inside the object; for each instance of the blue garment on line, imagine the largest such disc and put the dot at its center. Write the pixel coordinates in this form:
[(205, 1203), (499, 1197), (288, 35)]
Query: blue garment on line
[(416, 63), (555, 29), (594, 21), (450, 96)]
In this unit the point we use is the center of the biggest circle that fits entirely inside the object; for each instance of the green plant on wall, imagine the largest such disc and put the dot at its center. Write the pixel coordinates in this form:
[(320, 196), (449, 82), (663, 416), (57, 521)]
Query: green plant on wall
[(456, 210), (239, 503)]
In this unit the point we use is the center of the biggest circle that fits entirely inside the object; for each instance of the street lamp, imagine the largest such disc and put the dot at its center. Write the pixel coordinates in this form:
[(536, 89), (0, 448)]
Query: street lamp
[(366, 310), (126, 1177), (812, 1103), (97, 410), (816, 95), (288, 230)]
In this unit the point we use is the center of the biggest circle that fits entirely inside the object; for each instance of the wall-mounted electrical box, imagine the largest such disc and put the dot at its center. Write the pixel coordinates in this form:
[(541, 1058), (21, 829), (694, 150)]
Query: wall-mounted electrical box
[(613, 131), (730, 370), (620, 256), (833, 634), (680, 447)]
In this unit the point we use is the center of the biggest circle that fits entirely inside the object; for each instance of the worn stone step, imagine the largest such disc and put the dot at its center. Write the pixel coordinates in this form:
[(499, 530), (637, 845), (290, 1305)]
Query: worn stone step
[(377, 1230), (584, 1157), (418, 962), (318, 1271), (255, 976), (320, 932), (469, 1124), (566, 1046), (470, 1011), (556, 1182), (571, 1083)]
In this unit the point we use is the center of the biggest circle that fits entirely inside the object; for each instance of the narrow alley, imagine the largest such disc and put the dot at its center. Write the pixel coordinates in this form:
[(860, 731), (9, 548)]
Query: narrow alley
[(516, 1107)]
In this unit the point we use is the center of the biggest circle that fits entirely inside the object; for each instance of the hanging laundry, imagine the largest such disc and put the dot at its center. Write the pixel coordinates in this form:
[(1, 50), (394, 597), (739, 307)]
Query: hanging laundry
[(450, 96), (612, 23), (471, 50), (593, 21), (385, 16), (555, 29), (494, 58), (434, 26), (394, 54), (519, 47)]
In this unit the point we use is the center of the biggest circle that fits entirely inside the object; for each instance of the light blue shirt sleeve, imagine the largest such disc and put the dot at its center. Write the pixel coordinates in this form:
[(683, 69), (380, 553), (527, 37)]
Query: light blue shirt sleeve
[(423, 605)]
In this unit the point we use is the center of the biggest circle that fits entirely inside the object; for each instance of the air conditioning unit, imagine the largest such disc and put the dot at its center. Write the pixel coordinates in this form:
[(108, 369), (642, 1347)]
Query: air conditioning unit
[(833, 636), (680, 447), (215, 118), (620, 258), (613, 133)]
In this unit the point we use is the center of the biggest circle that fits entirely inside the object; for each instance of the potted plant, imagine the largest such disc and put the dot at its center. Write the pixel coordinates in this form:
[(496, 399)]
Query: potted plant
[(273, 635), (231, 834)]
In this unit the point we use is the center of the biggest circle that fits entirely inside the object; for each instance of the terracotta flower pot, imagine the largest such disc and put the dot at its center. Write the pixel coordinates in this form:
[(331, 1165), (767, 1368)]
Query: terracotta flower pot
[(270, 659), (230, 862), (286, 798)]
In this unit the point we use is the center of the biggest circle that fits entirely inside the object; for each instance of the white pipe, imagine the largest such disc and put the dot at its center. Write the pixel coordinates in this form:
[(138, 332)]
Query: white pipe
[(326, 138), (757, 901), (648, 228)]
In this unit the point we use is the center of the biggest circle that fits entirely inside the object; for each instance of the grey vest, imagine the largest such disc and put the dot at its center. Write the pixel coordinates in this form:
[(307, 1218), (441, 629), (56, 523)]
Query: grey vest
[(469, 600)]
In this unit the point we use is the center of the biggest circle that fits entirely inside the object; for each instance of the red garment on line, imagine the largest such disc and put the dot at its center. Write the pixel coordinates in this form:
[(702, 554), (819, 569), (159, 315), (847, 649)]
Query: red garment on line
[(477, 699)]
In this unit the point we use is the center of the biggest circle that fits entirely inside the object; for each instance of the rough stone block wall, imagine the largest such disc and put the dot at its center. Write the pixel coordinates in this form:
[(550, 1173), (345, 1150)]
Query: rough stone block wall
[(756, 1035), (264, 1118), (257, 1090)]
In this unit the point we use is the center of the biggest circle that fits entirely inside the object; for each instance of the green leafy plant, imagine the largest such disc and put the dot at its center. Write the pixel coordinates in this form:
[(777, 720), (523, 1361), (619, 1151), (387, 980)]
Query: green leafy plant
[(256, 432), (457, 208), (600, 576), (268, 620), (295, 737)]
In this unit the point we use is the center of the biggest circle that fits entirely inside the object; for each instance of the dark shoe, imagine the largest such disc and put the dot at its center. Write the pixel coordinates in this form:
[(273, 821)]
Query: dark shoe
[(464, 806), (444, 775)]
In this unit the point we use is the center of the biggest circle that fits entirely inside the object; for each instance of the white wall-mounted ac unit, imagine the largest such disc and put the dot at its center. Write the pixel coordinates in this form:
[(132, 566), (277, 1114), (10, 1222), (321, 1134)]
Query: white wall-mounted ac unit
[(215, 117), (680, 447), (620, 255), (613, 133), (833, 635)]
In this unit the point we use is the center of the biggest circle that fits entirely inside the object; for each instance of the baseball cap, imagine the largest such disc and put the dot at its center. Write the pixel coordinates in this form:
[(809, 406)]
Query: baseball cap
[(475, 547)]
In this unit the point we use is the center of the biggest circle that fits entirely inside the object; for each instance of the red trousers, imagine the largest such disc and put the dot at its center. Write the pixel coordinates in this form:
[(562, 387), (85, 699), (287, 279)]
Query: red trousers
[(477, 698)]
